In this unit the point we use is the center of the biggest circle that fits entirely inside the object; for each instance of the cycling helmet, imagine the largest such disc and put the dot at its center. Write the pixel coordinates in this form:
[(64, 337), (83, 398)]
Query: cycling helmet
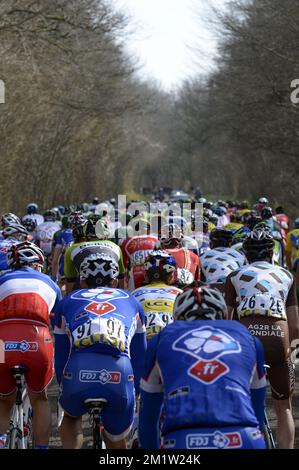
[(17, 231), (9, 219), (171, 236), (99, 268), (240, 235), (159, 265), (202, 200), (32, 208), (29, 224), (90, 225), (24, 254), (76, 218), (49, 215), (259, 243), (203, 303), (253, 219), (263, 200), (102, 230), (296, 223), (221, 237), (266, 213)]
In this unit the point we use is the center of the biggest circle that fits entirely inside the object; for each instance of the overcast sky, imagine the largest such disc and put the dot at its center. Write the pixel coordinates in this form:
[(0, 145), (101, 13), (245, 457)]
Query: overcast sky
[(167, 34)]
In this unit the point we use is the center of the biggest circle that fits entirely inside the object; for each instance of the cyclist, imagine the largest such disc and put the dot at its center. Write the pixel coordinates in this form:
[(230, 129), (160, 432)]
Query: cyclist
[(135, 251), (12, 234), (97, 329), (30, 226), (263, 298), (61, 241), (218, 262), (193, 368), (27, 299), (158, 295), (188, 264), (91, 236), (32, 209), (44, 232)]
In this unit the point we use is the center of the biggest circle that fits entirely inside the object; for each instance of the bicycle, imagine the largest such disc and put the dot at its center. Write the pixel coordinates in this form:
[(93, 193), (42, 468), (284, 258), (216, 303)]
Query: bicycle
[(19, 434), (95, 407)]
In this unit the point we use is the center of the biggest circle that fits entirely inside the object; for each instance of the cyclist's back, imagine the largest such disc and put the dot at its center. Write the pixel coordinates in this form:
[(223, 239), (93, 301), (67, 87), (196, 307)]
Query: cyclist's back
[(100, 336)]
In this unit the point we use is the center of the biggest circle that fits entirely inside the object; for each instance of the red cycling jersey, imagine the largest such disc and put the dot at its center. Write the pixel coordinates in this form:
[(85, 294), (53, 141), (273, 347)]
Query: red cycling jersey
[(135, 251)]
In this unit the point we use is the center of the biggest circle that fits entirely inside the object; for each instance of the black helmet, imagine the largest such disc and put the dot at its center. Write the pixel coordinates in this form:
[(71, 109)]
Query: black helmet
[(221, 237), (50, 215), (203, 303), (259, 243), (29, 224), (89, 227), (266, 213)]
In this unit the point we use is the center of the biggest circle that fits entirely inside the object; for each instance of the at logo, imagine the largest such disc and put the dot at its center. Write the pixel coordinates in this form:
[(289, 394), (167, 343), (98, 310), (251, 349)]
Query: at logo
[(100, 295), (100, 308), (207, 345), (208, 371)]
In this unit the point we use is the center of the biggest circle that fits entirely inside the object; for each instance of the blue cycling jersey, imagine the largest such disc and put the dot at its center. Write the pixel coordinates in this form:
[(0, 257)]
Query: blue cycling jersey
[(205, 370), (100, 320), (4, 247)]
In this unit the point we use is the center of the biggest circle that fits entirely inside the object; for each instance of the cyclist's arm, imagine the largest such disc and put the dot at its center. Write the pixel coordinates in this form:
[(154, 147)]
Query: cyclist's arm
[(230, 298), (55, 261), (258, 384), (288, 251), (292, 313), (62, 344), (151, 398), (138, 348), (69, 270)]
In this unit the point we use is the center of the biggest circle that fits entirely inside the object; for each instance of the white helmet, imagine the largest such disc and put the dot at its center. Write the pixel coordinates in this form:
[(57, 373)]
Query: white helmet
[(24, 254)]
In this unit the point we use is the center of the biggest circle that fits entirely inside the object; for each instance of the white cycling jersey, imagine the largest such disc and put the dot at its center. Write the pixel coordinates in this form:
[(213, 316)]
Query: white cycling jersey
[(44, 234), (218, 263), (262, 289)]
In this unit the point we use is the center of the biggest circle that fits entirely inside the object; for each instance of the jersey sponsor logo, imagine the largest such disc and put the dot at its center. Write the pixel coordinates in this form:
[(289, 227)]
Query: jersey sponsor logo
[(100, 294), (216, 440), (207, 345), (100, 308), (100, 376), (23, 346)]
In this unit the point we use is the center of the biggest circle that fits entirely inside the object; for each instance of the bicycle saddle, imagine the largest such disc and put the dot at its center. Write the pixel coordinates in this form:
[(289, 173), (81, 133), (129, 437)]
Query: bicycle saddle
[(18, 370), (93, 403)]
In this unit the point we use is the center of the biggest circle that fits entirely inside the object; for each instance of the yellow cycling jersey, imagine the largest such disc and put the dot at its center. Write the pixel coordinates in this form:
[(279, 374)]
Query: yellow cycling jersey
[(157, 300), (292, 246)]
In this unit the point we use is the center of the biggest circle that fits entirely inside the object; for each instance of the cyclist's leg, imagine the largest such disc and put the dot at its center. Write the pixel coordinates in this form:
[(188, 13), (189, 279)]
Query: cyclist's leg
[(6, 405), (282, 380), (71, 432), (119, 416), (285, 434), (38, 377), (41, 421)]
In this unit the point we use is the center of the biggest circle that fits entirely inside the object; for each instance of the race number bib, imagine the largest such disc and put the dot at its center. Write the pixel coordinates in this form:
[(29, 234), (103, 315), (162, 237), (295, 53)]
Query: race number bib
[(261, 304), (110, 331), (155, 322), (138, 257)]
